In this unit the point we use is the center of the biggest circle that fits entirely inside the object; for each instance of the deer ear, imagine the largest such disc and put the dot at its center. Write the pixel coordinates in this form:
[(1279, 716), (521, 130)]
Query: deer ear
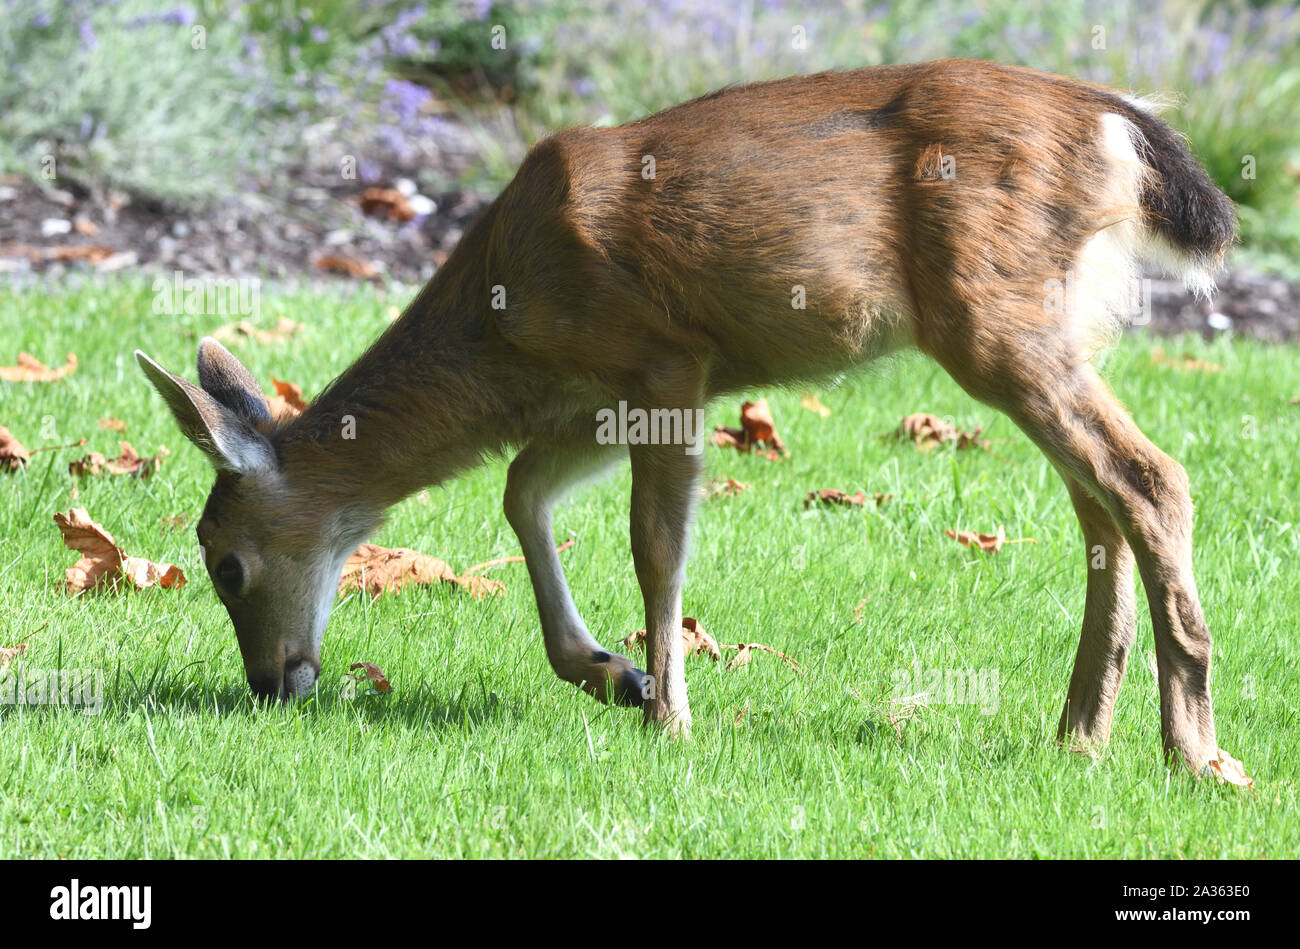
[(224, 377), (229, 441)]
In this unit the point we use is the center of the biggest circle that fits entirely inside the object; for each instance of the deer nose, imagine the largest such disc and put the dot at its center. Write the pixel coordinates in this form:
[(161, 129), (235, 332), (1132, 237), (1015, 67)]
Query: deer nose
[(266, 687), (299, 676)]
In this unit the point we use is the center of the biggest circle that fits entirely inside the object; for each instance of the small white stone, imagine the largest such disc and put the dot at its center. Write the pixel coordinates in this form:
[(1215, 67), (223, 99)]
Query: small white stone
[(53, 226), (1219, 321), (406, 186)]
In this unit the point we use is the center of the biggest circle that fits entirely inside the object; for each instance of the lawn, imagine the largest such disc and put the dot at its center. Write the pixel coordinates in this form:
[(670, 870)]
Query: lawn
[(480, 751)]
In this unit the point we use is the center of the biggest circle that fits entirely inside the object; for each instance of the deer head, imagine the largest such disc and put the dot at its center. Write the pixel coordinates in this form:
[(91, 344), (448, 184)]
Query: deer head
[(271, 541)]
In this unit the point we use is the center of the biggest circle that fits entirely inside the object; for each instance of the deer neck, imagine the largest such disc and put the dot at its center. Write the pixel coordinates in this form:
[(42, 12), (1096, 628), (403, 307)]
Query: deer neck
[(431, 397)]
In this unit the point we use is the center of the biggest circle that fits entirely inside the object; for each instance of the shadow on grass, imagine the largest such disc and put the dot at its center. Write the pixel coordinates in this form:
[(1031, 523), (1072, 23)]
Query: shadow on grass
[(182, 691)]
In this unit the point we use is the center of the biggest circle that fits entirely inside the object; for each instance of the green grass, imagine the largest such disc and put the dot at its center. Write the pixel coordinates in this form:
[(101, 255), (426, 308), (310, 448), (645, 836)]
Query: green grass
[(480, 751)]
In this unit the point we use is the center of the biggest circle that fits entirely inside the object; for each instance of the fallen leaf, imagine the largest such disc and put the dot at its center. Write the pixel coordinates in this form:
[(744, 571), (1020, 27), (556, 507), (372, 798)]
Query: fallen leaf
[(373, 674), (813, 403), (501, 561), (386, 202), (112, 424), (757, 430), (1184, 362), (1231, 771), (30, 369), (64, 252), (91, 252), (831, 496), (928, 431), (989, 543), (127, 463), (243, 331), (694, 639), (745, 655), (348, 266), (12, 453), (379, 570), (174, 524), (880, 498), (9, 653), (287, 402), (857, 610), (102, 561), (84, 225), (729, 488)]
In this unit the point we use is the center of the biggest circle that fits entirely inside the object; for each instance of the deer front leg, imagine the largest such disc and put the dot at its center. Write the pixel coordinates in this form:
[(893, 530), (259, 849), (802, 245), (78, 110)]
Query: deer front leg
[(538, 477), (663, 493)]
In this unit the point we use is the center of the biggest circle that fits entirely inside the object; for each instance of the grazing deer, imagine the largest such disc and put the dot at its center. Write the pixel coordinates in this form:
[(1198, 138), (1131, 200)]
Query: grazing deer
[(928, 205)]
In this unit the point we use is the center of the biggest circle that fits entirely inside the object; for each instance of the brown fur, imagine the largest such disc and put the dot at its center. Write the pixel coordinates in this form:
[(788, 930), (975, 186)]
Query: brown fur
[(669, 290)]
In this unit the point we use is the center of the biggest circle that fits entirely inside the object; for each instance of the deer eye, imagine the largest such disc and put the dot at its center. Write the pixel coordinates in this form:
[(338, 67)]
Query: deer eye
[(230, 574)]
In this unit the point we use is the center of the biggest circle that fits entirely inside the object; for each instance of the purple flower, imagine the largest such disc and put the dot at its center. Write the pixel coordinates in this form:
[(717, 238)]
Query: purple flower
[(181, 16), (41, 20), (87, 33), (405, 100), (319, 34)]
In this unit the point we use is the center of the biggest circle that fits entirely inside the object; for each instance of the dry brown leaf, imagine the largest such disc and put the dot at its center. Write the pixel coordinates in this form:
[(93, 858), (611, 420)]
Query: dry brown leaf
[(729, 488), (745, 655), (372, 674), (501, 561), (928, 431), (989, 543), (813, 403), (91, 252), (31, 369), (64, 252), (1231, 771), (84, 225), (830, 496), (9, 653), (102, 561), (348, 266), (127, 463), (1184, 362), (287, 403), (757, 431), (386, 202), (112, 424), (241, 332), (880, 498), (12, 453), (174, 524), (694, 639), (379, 570)]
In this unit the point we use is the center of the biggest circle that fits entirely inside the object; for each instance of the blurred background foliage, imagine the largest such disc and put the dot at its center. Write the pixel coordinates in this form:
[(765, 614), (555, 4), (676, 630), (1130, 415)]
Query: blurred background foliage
[(184, 102)]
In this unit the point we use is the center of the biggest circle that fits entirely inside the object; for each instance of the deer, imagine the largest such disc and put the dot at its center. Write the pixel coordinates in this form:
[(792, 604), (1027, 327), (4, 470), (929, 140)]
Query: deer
[(922, 206)]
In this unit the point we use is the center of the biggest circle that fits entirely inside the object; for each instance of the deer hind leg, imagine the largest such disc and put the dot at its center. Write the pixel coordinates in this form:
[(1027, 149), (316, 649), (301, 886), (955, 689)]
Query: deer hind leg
[(1109, 616), (1028, 370), (538, 477)]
